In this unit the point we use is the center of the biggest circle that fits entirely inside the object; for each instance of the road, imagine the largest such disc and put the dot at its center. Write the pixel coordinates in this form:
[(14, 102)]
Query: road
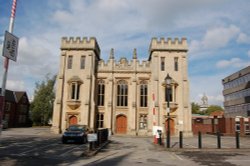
[(38, 150), (133, 151), (36, 146)]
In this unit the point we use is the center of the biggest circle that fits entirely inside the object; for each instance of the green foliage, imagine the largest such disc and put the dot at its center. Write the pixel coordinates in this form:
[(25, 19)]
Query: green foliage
[(42, 105), (195, 108), (213, 108)]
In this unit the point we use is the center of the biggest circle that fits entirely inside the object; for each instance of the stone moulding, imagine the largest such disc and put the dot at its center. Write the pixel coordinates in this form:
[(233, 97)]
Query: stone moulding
[(74, 104)]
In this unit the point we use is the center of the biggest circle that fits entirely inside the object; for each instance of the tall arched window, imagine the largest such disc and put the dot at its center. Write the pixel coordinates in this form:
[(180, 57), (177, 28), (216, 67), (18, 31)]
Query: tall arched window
[(143, 94), (75, 91), (74, 88), (101, 93), (122, 93)]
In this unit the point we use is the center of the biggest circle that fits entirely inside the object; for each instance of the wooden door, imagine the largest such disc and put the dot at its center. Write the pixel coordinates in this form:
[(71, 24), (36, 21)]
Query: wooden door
[(72, 120), (121, 124), (172, 126)]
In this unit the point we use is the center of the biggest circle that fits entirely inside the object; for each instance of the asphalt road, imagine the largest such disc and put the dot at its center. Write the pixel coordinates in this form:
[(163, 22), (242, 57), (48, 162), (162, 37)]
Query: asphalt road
[(38, 150), (36, 146)]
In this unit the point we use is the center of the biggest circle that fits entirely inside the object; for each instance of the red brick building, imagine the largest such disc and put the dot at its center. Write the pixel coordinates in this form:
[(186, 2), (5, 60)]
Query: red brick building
[(16, 109), (227, 126)]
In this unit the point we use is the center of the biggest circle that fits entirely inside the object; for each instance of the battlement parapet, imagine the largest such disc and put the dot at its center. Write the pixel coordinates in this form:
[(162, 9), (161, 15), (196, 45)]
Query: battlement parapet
[(124, 65), (79, 43), (168, 45)]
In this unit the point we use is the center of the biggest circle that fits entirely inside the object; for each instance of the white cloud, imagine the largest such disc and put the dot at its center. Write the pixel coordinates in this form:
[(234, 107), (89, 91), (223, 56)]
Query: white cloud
[(219, 37), (234, 62), (215, 38), (15, 85), (248, 53), (243, 38)]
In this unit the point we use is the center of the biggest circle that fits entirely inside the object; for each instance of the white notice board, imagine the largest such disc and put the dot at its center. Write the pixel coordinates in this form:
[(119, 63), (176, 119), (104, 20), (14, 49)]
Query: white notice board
[(10, 46)]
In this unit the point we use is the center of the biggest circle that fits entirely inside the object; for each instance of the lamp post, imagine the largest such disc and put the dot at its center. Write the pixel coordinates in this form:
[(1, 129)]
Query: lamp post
[(168, 82)]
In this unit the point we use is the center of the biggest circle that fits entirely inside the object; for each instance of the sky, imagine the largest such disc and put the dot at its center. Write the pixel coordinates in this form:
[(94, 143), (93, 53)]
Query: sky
[(217, 32)]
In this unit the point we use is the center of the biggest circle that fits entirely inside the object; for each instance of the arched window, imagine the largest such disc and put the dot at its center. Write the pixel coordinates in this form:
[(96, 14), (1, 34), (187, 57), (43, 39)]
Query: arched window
[(75, 91), (74, 88), (101, 92), (143, 94), (122, 93)]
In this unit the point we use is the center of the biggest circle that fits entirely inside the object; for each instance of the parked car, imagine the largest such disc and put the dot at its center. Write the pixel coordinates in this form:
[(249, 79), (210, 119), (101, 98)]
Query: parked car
[(75, 133)]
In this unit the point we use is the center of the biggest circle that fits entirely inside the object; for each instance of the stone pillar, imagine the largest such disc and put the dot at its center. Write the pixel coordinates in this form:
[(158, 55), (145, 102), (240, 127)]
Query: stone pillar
[(58, 103)]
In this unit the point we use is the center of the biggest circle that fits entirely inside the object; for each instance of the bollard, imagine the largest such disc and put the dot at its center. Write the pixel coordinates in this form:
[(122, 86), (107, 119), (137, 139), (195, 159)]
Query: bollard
[(181, 139), (90, 146), (237, 138), (218, 140), (168, 139), (159, 139), (199, 140)]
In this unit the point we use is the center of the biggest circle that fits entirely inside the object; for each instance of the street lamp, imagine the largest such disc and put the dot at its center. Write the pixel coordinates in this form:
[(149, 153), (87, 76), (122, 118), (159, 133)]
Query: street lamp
[(168, 82)]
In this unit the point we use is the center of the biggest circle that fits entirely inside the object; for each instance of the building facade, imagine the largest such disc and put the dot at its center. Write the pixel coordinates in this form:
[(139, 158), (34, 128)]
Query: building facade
[(236, 94), (16, 109), (125, 96)]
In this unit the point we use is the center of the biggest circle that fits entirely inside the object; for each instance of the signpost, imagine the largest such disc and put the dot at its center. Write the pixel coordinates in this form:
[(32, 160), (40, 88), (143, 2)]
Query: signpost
[(10, 46), (9, 52)]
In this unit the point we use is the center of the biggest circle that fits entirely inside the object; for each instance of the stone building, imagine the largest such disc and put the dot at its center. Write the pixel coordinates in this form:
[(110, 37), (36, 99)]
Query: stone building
[(118, 95)]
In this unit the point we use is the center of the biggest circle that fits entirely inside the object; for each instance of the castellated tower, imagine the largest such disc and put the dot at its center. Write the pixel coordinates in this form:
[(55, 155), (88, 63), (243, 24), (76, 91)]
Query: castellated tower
[(76, 83), (125, 96), (169, 57)]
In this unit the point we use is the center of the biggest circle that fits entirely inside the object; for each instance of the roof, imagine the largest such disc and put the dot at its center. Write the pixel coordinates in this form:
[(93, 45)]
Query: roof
[(9, 95), (217, 113), (13, 96)]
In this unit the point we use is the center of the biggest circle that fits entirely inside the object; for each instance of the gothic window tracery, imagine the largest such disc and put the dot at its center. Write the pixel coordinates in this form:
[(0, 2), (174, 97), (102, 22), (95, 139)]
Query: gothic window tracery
[(101, 93), (122, 93)]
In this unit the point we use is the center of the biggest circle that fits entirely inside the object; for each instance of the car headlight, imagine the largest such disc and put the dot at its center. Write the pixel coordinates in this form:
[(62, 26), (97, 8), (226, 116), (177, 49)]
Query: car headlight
[(80, 134)]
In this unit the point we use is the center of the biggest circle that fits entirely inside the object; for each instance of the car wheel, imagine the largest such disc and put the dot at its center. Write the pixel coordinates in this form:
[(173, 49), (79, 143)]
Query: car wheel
[(64, 141)]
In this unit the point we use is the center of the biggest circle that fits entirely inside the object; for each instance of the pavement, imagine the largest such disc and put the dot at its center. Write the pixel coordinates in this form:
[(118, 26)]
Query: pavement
[(133, 150)]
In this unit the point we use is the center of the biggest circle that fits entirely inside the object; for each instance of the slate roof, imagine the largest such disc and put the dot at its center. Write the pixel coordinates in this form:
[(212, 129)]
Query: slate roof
[(13, 96)]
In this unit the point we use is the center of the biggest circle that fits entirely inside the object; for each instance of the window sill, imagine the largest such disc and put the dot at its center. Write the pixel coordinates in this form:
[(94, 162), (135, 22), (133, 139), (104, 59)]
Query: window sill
[(74, 104)]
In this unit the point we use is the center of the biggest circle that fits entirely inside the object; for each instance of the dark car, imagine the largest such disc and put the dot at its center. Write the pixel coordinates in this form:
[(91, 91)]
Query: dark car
[(75, 133)]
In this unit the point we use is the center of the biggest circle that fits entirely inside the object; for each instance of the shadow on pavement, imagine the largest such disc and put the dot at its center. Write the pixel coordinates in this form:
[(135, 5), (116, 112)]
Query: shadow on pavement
[(210, 158)]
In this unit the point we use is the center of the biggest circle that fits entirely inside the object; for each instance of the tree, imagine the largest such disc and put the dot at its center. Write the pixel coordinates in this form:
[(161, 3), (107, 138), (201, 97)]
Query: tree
[(195, 108), (42, 105), (213, 108)]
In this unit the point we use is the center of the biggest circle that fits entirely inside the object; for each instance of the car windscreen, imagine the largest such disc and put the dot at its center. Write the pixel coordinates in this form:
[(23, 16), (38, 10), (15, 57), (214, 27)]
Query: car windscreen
[(76, 128)]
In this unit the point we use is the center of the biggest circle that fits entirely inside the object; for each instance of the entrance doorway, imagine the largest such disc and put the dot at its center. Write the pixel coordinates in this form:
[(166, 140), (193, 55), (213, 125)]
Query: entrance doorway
[(121, 124), (172, 126), (73, 120)]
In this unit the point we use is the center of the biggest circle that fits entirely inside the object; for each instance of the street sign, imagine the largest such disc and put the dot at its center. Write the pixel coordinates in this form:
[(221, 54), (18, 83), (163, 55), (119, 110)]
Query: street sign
[(92, 137), (10, 46)]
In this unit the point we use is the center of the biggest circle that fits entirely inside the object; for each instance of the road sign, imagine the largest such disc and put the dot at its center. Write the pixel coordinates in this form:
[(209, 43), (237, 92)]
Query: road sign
[(92, 137), (10, 46)]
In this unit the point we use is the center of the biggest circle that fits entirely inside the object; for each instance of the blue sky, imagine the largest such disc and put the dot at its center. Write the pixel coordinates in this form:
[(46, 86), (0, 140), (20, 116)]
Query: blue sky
[(217, 32)]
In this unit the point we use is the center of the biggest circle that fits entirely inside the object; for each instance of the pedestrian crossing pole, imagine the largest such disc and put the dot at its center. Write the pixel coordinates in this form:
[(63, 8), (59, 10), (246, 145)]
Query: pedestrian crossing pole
[(6, 66)]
